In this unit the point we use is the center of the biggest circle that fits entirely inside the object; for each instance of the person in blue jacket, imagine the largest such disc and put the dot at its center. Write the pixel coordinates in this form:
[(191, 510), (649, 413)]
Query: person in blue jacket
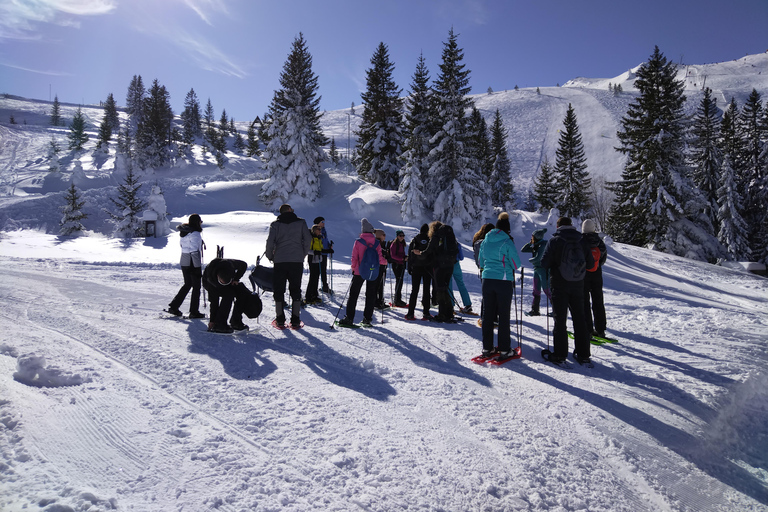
[(540, 275), (499, 259), (458, 276)]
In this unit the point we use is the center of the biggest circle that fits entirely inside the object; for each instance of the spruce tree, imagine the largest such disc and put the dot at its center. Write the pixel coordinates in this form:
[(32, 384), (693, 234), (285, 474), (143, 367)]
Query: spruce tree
[(252, 146), (479, 146), (134, 102), (380, 138), (111, 116), (705, 157), (153, 133), (416, 155), (221, 139), (544, 187), (753, 134), (733, 229), (77, 136), (129, 206), (333, 152), (56, 111), (210, 134), (295, 149), (461, 198), (239, 142), (105, 134), (571, 176), (502, 189), (71, 222), (656, 204), (190, 119)]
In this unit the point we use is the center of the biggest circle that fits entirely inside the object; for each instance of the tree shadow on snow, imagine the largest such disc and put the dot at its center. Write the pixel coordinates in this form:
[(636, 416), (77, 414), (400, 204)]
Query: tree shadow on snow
[(693, 449)]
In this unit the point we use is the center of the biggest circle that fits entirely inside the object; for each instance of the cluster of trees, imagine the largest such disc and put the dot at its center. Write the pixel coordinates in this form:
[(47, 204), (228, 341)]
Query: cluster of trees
[(692, 187)]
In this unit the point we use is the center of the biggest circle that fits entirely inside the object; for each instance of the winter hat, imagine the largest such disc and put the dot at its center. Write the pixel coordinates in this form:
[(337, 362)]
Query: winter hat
[(365, 226), (588, 226), (503, 222), (318, 220), (399, 232), (539, 234), (424, 230)]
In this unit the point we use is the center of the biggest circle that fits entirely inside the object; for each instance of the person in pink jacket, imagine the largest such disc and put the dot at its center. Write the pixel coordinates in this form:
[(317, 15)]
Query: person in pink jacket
[(367, 239)]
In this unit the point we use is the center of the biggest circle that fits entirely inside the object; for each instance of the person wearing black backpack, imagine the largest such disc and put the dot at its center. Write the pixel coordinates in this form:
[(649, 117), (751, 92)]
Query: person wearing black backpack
[(366, 260), (593, 281), (567, 256), (443, 248), (420, 269)]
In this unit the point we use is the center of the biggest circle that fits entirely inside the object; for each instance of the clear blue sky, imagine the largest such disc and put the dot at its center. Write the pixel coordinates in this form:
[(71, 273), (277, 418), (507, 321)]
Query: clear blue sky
[(232, 51)]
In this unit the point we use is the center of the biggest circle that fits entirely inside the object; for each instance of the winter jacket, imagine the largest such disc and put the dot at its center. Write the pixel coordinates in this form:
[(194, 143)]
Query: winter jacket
[(476, 250), (191, 241), (554, 250), (289, 239), (358, 249), (316, 249), (594, 240), (210, 275), (397, 252), (434, 250), (498, 256), (420, 242), (537, 248), (384, 256)]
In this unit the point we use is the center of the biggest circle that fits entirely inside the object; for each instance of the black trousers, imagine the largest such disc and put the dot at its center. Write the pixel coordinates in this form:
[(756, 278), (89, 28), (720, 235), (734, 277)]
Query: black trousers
[(420, 275), (314, 277), (444, 299), (593, 289), (292, 272), (354, 293), (565, 298), (380, 287), (192, 279), (221, 303), (324, 270), (497, 304), (399, 270)]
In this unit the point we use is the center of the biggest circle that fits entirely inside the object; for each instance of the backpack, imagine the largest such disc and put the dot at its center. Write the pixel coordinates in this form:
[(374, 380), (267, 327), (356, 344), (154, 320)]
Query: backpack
[(573, 265), (596, 257), (369, 263), (447, 248)]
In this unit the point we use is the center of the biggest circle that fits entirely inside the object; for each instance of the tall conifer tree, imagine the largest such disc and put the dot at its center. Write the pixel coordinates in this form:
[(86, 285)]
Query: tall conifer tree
[(73, 215), (753, 133), (502, 189), (77, 136), (56, 111), (705, 157), (380, 138), (572, 178), (544, 187), (111, 116), (295, 148)]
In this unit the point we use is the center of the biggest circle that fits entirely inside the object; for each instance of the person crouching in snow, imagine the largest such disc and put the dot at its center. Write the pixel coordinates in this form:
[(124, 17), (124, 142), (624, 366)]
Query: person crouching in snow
[(222, 281)]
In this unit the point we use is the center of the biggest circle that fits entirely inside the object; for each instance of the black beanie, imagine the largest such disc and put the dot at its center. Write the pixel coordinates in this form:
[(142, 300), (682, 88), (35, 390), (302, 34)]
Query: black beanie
[(318, 220)]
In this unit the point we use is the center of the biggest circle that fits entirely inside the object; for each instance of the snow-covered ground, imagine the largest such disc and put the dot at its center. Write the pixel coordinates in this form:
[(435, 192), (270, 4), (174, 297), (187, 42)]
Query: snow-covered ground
[(106, 404)]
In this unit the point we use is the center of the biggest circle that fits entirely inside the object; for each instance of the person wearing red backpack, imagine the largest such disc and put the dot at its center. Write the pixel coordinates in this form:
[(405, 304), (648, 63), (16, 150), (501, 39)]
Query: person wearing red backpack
[(593, 281), (361, 274)]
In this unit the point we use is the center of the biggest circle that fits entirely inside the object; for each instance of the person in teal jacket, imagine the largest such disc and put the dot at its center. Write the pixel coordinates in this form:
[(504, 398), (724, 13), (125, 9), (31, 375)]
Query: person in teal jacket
[(540, 275), (499, 259)]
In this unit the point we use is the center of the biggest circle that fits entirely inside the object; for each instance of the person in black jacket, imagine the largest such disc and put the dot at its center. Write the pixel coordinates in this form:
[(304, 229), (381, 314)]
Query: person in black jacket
[(222, 281), (593, 282), (420, 268), (566, 294), (442, 250)]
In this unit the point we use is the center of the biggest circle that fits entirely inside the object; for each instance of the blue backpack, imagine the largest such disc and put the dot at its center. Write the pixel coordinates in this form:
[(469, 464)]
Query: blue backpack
[(369, 264)]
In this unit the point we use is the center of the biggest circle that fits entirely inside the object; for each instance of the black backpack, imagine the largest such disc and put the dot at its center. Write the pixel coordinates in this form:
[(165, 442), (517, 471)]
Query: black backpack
[(573, 264), (447, 248)]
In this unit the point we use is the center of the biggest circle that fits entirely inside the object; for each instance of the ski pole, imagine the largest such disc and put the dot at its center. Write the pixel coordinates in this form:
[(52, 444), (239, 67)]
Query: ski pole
[(547, 316), (205, 299), (341, 305), (520, 328), (514, 301)]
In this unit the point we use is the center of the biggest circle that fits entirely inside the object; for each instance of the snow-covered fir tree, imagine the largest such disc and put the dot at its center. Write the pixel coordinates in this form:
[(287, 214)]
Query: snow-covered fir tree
[(502, 189), (129, 206), (210, 134), (110, 114), (753, 133), (544, 187), (56, 111), (461, 198), (571, 175), (239, 142), (380, 137), (134, 102), (333, 152), (77, 136), (223, 131), (479, 146), (105, 134), (413, 202), (153, 133), (705, 157), (191, 123), (657, 205), (295, 149), (73, 215), (252, 146), (733, 229)]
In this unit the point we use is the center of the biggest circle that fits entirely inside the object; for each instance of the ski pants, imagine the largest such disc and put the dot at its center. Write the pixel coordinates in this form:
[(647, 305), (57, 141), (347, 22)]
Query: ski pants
[(292, 272), (192, 278), (593, 289), (569, 297), (399, 270), (381, 280), (420, 275), (314, 277), (370, 297), (497, 303), (444, 299), (221, 303), (458, 276)]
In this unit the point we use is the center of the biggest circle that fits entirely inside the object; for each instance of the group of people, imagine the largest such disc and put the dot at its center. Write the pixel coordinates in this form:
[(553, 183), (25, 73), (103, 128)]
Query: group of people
[(432, 259)]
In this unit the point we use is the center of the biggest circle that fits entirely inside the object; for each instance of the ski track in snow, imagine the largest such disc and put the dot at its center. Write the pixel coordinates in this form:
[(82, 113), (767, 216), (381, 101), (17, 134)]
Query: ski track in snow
[(177, 418)]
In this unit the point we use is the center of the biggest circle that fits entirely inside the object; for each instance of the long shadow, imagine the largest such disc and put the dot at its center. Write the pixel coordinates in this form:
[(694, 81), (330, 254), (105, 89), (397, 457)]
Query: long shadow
[(693, 449)]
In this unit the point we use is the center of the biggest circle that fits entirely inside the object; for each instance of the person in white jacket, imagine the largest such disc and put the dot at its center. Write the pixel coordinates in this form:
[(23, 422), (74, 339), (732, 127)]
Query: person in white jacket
[(192, 245)]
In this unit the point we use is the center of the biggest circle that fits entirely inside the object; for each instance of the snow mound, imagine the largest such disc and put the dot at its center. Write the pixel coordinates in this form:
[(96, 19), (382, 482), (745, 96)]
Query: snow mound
[(33, 372)]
